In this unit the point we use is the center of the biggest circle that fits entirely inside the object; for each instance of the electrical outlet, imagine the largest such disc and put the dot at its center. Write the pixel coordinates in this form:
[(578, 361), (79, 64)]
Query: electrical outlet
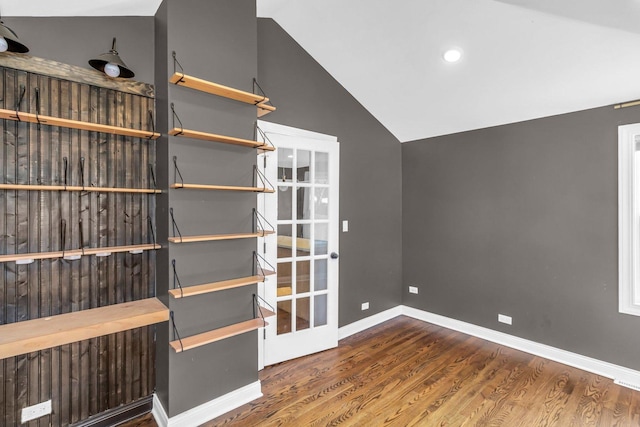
[(365, 306), (413, 289), (504, 319), (36, 411)]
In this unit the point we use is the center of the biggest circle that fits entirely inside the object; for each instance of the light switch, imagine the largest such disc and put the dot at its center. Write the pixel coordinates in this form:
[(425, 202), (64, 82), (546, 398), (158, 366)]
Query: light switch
[(345, 226)]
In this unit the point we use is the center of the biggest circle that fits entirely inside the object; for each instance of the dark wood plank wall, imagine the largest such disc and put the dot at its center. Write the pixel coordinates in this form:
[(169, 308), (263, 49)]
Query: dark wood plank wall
[(91, 376)]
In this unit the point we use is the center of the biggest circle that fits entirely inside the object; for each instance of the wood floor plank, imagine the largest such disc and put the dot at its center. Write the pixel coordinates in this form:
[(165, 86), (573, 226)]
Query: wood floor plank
[(405, 372)]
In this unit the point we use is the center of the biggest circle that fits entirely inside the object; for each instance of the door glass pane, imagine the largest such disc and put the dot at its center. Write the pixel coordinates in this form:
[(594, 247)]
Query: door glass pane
[(320, 310), (322, 168), (284, 241), (303, 313), (304, 203), (285, 174), (304, 240), (303, 166), (284, 317), (320, 239), (321, 203), (320, 275), (302, 276), (285, 207), (284, 279)]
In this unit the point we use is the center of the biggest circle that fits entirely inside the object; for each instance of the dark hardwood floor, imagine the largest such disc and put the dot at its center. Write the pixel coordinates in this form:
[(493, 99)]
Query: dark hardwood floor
[(405, 372)]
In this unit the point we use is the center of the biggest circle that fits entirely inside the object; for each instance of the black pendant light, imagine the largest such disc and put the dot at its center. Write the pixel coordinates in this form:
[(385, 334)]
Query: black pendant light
[(111, 64), (9, 41)]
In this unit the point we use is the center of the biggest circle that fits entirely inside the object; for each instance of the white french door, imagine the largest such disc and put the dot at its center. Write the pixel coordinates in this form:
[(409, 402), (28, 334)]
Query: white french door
[(304, 170)]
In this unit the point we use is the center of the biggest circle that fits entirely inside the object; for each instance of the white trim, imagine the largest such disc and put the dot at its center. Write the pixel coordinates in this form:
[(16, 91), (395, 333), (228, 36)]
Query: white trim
[(621, 375), (268, 127), (158, 412), (628, 230), (209, 410), (369, 322)]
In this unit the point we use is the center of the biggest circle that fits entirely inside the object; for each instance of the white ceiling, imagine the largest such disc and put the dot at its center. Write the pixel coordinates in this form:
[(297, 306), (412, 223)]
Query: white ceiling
[(518, 63), (523, 59)]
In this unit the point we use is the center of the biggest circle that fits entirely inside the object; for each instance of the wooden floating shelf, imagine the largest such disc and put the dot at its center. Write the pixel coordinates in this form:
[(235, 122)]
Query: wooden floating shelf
[(204, 136), (206, 288), (217, 335), (77, 253), (75, 124), (213, 237), (39, 334), (224, 91), (222, 188), (38, 187), (266, 312)]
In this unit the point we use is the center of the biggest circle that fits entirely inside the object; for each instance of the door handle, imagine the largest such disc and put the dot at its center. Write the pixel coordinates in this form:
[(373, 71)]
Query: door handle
[(334, 255)]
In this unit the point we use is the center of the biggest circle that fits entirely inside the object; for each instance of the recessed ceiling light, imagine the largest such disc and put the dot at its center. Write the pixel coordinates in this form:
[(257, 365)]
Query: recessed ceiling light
[(452, 55)]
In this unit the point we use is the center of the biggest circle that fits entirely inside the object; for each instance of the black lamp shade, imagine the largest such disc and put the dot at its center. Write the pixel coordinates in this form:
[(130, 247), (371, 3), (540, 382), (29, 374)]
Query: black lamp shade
[(13, 42), (113, 58)]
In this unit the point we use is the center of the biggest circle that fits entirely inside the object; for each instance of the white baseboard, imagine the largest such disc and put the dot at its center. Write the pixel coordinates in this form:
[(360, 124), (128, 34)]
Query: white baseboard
[(621, 375), (209, 410), (369, 322), (624, 376)]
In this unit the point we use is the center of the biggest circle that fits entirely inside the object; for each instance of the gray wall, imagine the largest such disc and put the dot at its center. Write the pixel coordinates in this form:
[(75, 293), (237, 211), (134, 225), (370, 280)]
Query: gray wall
[(522, 220), (308, 97), (215, 41), (76, 40)]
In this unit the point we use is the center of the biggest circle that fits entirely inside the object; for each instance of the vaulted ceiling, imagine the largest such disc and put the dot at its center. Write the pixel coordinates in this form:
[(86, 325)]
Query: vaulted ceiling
[(522, 59)]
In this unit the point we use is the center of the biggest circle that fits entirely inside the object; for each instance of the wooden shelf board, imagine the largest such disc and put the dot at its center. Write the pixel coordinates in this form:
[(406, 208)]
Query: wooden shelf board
[(264, 109), (215, 286), (266, 312), (204, 136), (213, 237), (75, 124), (216, 335), (77, 252), (267, 272), (216, 89), (221, 188), (39, 334), (37, 187)]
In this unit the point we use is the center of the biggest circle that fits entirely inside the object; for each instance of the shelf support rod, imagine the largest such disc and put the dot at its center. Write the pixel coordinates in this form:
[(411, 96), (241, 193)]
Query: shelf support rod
[(153, 176), (264, 136), (65, 167), (153, 234), (81, 166), (256, 305), (175, 116), (264, 95), (174, 225), (63, 234), (175, 62), (81, 235), (176, 172), (153, 125), (175, 330), (19, 98), (257, 221), (257, 265), (176, 279), (37, 90), (262, 178)]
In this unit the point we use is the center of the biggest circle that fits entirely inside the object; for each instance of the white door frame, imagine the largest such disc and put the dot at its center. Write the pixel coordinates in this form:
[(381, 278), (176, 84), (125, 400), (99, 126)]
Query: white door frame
[(271, 214)]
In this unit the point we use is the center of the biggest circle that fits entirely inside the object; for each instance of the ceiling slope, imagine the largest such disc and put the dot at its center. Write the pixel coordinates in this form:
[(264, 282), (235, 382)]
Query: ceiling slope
[(523, 59), (518, 63)]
